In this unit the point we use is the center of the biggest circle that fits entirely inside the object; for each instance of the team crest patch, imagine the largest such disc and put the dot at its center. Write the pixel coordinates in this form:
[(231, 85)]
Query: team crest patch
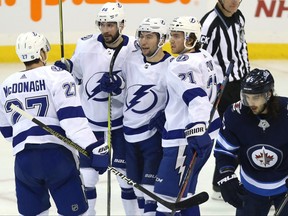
[(263, 124), (181, 58), (237, 107), (264, 156), (87, 37)]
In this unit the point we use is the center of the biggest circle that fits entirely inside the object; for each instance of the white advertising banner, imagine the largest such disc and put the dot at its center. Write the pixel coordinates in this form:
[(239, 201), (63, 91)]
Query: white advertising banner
[(266, 20)]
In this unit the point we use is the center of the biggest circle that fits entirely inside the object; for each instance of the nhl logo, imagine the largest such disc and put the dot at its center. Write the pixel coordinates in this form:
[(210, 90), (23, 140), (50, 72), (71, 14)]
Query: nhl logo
[(75, 207), (146, 65)]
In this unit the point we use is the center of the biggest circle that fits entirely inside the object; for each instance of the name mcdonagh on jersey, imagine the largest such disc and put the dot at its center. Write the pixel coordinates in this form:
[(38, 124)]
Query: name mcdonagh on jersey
[(29, 86)]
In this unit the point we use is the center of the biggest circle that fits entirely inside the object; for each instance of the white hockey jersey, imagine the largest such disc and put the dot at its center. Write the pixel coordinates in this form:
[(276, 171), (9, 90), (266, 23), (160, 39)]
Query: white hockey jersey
[(192, 88), (90, 61), (49, 94), (146, 94)]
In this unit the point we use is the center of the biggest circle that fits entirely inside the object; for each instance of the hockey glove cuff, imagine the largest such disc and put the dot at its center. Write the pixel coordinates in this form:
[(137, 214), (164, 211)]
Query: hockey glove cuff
[(198, 139), (99, 157)]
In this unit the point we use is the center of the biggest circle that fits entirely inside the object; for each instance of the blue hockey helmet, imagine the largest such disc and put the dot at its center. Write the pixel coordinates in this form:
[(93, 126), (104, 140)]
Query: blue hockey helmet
[(258, 81), (260, 84)]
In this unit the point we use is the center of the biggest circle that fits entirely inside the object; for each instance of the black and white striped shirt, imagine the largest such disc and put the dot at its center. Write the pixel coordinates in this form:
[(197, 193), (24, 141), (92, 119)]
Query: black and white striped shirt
[(223, 37)]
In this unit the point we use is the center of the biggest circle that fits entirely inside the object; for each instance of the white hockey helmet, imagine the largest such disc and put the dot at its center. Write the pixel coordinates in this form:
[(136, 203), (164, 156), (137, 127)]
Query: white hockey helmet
[(111, 12), (157, 25), (186, 24), (29, 46)]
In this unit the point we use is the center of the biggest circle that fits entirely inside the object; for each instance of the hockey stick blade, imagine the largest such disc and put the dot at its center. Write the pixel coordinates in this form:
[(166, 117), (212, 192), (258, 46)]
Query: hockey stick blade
[(192, 201), (197, 199)]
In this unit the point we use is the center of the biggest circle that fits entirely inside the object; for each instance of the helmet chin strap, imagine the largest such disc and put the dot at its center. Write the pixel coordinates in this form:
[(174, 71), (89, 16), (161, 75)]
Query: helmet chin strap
[(156, 51), (186, 48), (119, 36), (117, 39)]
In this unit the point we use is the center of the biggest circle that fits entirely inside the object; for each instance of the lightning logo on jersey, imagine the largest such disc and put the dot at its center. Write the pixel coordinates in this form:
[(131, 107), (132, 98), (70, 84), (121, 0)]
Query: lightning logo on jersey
[(140, 92), (180, 165), (93, 90)]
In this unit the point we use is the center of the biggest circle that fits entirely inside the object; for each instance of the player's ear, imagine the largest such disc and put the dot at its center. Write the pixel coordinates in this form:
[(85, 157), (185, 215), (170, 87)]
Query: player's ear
[(269, 94), (121, 26), (43, 55)]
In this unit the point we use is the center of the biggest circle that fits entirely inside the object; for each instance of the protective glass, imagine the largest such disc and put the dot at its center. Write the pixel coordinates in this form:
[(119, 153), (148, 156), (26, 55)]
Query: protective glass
[(254, 99)]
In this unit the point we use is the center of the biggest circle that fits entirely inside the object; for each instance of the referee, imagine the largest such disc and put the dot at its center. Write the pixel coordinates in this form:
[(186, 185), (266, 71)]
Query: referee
[(223, 36)]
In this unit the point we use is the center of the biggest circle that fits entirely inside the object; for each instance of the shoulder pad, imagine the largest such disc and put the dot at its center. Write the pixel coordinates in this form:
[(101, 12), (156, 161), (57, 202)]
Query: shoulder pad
[(181, 58), (87, 37), (237, 107)]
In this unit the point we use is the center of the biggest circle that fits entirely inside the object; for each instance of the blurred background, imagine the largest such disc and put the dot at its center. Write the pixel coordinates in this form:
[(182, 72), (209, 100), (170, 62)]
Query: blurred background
[(266, 22)]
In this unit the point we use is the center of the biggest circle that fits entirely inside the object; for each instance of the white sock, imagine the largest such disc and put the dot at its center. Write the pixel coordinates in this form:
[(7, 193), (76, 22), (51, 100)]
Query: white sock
[(128, 196), (131, 207), (91, 208), (44, 213)]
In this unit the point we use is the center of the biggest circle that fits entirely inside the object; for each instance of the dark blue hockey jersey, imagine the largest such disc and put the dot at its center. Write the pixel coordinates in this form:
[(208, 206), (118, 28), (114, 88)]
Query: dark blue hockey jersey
[(259, 143)]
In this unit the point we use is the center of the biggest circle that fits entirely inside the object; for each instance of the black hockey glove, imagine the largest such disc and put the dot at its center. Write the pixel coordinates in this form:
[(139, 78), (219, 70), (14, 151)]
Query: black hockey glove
[(65, 64), (112, 84), (158, 121), (231, 188)]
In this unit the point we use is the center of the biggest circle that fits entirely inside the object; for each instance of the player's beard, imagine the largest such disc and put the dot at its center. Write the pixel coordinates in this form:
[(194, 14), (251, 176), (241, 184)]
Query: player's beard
[(150, 52), (110, 39), (257, 110)]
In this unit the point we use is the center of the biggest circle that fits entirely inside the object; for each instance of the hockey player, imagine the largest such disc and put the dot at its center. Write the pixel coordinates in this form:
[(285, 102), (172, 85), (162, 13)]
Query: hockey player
[(192, 87), (144, 79), (223, 36), (44, 164), (90, 61), (255, 131)]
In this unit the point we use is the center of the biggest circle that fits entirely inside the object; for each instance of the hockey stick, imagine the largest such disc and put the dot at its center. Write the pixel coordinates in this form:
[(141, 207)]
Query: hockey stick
[(109, 137), (221, 90), (192, 201), (284, 202), (61, 29), (212, 112)]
